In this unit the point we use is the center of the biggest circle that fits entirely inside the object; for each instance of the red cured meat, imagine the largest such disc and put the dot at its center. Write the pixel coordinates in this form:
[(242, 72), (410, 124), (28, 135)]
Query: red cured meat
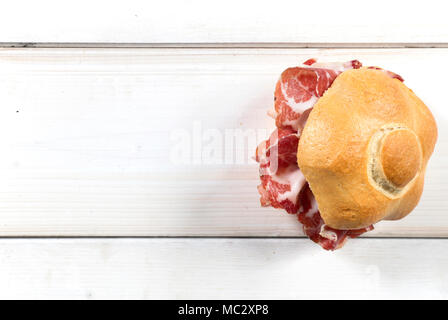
[(281, 146), (315, 228), (310, 62), (278, 162), (300, 87), (389, 73)]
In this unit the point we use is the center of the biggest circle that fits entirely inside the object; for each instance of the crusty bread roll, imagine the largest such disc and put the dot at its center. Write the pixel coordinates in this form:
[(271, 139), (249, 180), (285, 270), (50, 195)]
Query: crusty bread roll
[(364, 149)]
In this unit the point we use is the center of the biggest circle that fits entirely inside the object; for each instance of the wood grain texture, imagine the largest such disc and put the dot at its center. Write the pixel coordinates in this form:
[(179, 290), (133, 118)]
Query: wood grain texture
[(222, 269), (233, 21), (87, 140)]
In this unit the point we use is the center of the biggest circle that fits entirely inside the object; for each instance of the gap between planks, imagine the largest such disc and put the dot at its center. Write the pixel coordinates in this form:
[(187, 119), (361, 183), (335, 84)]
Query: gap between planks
[(210, 237), (224, 45)]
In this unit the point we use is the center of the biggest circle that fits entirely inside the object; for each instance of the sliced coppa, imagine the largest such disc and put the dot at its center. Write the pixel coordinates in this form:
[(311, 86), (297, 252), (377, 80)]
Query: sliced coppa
[(299, 88), (315, 228), (281, 178)]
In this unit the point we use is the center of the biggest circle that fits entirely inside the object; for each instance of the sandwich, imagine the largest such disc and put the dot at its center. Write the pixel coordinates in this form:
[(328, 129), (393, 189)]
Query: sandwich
[(350, 149)]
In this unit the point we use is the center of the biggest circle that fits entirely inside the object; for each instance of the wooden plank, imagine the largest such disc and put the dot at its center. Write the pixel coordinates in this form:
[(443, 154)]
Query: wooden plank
[(90, 139), (222, 269), (233, 21)]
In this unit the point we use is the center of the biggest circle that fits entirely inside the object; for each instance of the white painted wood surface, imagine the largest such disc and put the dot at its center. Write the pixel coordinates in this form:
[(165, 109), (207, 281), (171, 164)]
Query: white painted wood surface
[(233, 21), (87, 140), (222, 269)]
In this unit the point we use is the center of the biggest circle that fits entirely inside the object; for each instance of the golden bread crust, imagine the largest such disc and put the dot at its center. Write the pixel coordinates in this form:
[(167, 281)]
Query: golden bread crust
[(364, 149), (400, 157)]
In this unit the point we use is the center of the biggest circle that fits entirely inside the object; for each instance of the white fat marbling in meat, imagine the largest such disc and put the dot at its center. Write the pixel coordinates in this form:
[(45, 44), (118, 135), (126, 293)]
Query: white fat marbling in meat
[(298, 107), (293, 177), (336, 66)]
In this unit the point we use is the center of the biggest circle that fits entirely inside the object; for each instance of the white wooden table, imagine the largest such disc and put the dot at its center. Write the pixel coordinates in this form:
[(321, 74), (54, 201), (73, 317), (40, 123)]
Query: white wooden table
[(96, 99)]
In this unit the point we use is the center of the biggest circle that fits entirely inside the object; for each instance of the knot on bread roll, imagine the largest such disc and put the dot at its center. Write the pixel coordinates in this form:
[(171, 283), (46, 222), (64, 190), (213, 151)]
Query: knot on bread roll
[(394, 159)]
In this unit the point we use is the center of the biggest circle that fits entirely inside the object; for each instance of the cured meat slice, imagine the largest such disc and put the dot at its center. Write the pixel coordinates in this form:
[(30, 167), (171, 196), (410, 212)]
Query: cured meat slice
[(281, 178), (389, 73), (299, 88), (315, 228)]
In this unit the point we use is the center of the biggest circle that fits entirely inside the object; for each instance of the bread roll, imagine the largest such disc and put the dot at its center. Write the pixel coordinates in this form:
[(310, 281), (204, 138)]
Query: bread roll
[(364, 149)]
